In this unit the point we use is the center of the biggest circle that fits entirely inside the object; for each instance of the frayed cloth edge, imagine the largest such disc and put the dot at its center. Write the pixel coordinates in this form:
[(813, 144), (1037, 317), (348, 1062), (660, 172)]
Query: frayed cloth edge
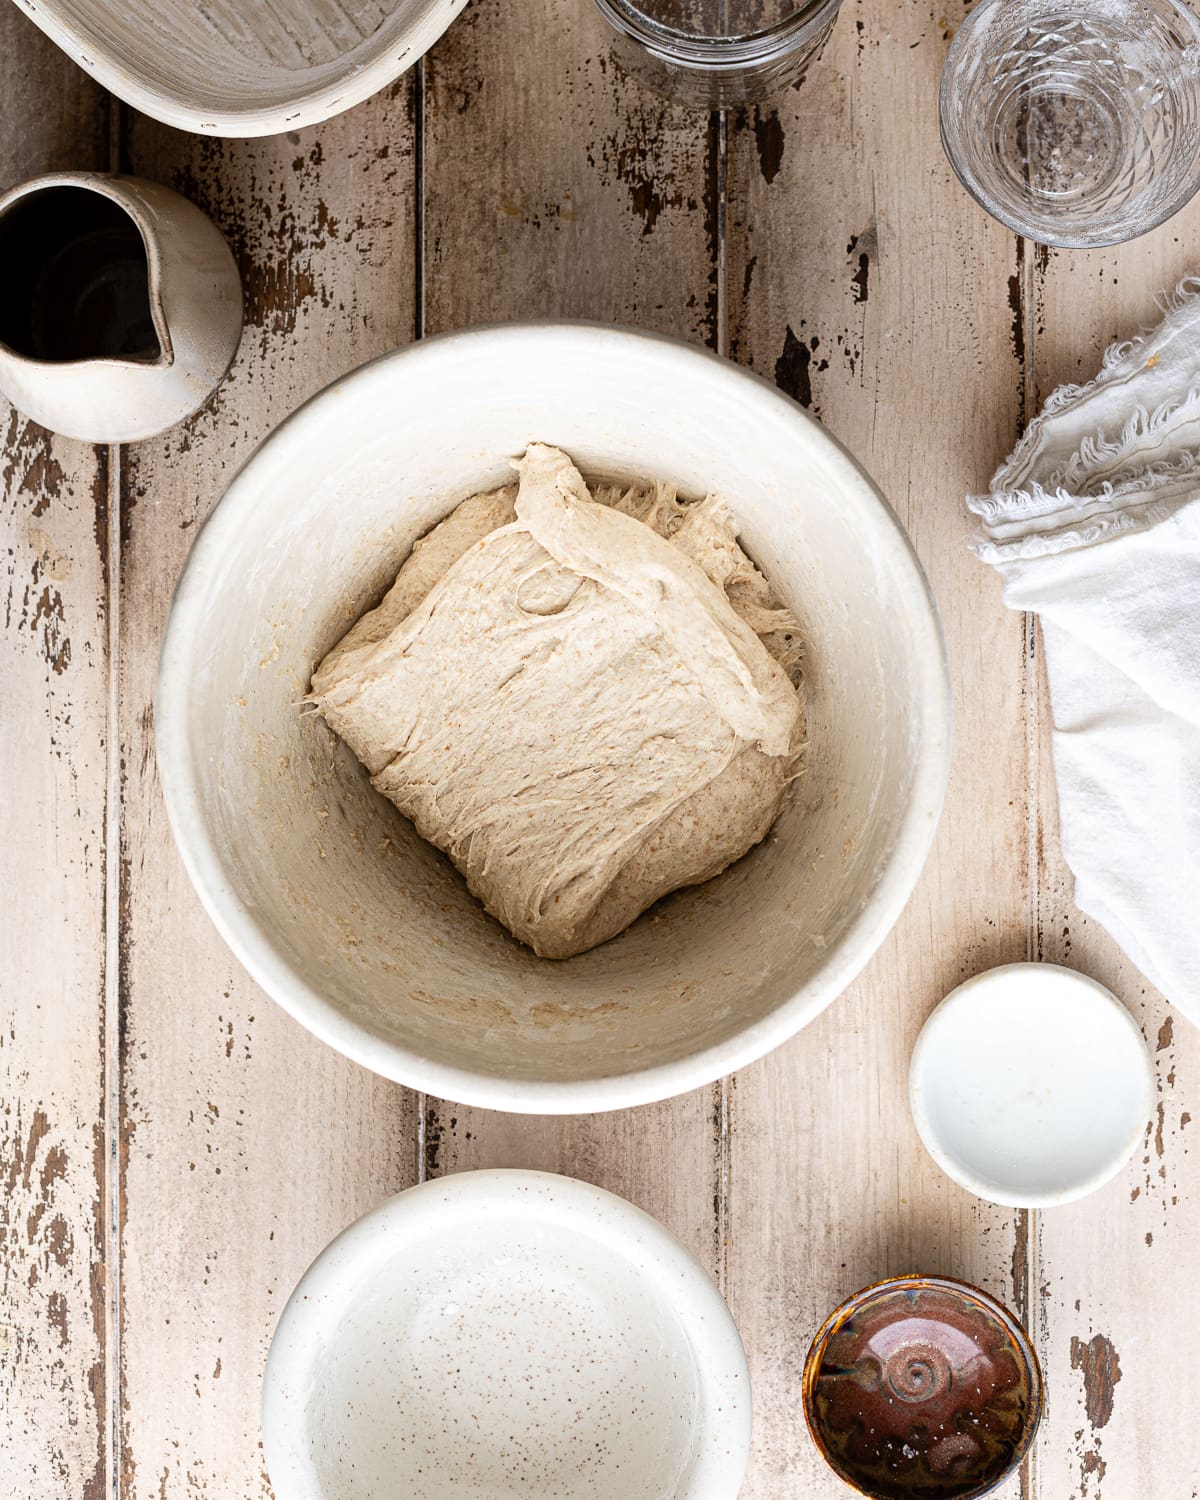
[(1051, 543), (1116, 356)]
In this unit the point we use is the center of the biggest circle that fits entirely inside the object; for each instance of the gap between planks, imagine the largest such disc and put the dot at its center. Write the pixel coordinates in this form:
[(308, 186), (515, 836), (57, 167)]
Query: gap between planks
[(422, 1099), (725, 1086), (113, 963), (1028, 1225), (113, 880)]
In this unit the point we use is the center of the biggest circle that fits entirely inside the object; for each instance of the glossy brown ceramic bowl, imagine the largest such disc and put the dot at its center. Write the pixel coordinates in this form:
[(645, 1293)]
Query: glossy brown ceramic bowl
[(921, 1386)]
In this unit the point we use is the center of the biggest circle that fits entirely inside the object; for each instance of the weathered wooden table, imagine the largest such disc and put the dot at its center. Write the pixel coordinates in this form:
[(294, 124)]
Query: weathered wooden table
[(174, 1150)]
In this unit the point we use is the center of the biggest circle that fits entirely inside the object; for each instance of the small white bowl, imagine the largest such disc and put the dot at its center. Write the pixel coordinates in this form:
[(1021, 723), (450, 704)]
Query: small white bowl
[(1031, 1085), (362, 930), (505, 1334)]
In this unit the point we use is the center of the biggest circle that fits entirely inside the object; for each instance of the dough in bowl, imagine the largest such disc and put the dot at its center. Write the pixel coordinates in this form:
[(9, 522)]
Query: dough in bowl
[(585, 699)]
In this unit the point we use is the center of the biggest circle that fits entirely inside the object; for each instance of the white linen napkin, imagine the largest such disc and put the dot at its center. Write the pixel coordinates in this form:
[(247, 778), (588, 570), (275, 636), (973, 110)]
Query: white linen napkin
[(1094, 524)]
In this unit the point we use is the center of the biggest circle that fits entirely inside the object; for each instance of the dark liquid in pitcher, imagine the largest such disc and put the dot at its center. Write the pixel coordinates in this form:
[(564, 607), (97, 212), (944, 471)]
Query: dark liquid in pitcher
[(74, 283)]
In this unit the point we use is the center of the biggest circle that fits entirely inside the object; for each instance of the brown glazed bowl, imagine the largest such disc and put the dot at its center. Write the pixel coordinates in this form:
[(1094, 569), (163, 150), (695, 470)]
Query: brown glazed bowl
[(922, 1388)]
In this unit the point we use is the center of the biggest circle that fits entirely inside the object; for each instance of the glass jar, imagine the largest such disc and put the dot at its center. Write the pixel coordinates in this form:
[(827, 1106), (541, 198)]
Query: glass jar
[(713, 53), (1075, 122)]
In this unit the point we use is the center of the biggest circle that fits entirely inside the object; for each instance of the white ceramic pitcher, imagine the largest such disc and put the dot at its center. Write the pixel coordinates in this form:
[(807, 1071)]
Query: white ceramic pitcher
[(120, 305)]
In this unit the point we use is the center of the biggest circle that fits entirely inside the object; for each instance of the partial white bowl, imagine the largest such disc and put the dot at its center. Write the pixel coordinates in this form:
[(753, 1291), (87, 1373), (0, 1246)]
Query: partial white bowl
[(233, 68), (367, 934), (506, 1334), (1031, 1085)]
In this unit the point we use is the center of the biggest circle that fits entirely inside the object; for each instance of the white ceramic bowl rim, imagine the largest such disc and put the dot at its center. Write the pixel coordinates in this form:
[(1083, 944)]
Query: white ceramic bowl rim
[(842, 961), (340, 86), (671, 1272), (954, 1167)]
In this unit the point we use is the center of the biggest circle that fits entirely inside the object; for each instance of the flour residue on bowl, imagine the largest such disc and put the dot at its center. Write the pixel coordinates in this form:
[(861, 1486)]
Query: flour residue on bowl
[(544, 1366)]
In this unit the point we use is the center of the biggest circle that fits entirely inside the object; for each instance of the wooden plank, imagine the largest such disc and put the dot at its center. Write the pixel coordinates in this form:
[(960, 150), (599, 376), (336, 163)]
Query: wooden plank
[(54, 667), (1115, 1273), (249, 1143), (554, 188), (863, 280), (557, 188)]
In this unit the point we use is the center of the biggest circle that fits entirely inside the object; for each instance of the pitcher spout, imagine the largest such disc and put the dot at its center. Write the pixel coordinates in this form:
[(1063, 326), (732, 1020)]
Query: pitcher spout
[(120, 305)]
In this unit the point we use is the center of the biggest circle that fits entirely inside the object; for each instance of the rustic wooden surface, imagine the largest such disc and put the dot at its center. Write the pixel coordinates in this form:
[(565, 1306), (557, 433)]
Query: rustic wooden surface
[(57, 988), (173, 1149)]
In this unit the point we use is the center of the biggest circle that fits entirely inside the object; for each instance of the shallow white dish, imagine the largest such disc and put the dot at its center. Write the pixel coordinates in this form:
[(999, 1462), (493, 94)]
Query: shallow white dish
[(229, 67), (506, 1334), (364, 932), (1031, 1085)]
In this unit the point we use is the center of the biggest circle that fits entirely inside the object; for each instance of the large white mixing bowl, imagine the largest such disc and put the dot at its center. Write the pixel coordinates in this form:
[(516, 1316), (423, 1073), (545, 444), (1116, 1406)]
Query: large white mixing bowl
[(364, 932)]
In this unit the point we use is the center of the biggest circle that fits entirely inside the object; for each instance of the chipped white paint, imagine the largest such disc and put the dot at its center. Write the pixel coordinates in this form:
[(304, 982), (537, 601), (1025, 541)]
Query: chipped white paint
[(53, 662), (53, 689)]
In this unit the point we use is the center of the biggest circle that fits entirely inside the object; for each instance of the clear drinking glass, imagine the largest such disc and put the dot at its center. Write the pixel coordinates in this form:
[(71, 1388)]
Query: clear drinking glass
[(1075, 122), (711, 53)]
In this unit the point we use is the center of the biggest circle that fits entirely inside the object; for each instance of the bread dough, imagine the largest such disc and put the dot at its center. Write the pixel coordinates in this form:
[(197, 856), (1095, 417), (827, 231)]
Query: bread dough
[(587, 700)]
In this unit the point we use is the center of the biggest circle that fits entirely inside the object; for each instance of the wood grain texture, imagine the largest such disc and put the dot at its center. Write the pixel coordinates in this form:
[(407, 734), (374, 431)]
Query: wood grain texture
[(864, 282), (248, 1143), (54, 675), (1116, 1273), (555, 188)]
